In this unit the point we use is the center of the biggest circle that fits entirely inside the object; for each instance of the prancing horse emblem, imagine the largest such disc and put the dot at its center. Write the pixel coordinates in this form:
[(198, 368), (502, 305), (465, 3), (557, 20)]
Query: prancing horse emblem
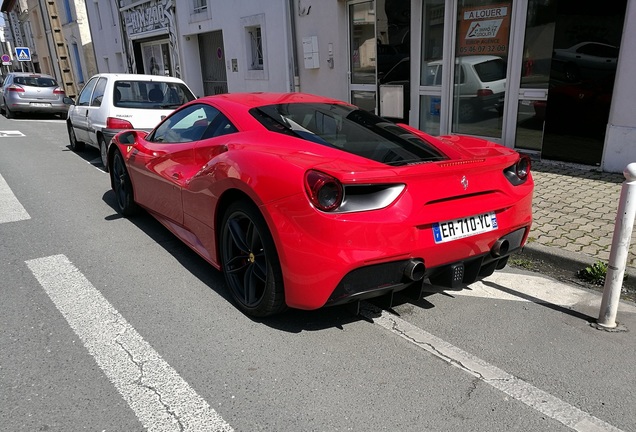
[(464, 182)]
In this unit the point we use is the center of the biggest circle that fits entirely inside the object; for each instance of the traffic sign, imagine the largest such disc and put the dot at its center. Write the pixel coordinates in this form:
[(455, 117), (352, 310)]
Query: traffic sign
[(23, 53), (5, 58)]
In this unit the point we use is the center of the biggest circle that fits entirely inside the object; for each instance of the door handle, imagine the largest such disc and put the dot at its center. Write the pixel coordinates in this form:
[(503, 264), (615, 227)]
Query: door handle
[(176, 176)]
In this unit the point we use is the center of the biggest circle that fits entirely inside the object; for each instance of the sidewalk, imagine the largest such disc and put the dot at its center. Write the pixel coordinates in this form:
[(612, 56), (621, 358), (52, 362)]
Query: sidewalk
[(574, 210)]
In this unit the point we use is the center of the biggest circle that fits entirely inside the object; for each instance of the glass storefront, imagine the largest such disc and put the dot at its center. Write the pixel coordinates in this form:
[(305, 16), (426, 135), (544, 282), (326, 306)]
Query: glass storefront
[(379, 48)]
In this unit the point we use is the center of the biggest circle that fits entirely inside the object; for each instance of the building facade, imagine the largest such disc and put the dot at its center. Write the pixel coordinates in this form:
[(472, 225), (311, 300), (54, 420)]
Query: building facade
[(548, 77), (57, 36)]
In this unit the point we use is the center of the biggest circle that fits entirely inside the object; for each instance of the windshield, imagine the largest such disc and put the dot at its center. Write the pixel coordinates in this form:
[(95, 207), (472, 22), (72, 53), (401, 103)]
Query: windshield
[(150, 94), (349, 129), (491, 70), (35, 81)]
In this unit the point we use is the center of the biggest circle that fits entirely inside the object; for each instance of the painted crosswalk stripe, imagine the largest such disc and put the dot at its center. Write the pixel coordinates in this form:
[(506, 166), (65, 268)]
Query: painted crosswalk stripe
[(160, 398), (10, 208), (514, 387)]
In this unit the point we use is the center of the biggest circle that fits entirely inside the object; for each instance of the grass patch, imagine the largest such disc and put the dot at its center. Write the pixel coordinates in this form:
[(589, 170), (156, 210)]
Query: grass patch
[(594, 274)]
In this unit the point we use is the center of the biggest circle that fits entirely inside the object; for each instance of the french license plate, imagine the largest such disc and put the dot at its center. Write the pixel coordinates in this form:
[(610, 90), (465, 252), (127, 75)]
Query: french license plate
[(40, 104), (464, 227)]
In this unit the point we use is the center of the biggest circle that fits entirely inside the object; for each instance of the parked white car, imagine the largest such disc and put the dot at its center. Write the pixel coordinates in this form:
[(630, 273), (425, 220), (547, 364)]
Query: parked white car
[(109, 103), (480, 83)]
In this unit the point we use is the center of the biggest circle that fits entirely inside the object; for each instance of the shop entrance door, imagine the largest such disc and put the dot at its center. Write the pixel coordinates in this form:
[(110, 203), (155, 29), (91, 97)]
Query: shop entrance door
[(480, 87)]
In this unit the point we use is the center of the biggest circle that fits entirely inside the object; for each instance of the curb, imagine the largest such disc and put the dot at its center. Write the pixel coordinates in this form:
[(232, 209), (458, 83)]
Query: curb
[(570, 262)]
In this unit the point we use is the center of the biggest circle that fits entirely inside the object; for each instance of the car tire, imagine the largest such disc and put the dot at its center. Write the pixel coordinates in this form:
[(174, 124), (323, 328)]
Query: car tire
[(76, 145), (123, 187), (250, 262), (8, 113), (467, 111), (103, 152)]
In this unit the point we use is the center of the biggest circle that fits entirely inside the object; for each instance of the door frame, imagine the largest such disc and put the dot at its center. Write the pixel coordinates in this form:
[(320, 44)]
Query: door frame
[(445, 92), (359, 87)]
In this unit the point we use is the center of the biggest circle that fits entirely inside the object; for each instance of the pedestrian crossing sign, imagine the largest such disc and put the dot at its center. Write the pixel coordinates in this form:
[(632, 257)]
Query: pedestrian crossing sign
[(23, 53)]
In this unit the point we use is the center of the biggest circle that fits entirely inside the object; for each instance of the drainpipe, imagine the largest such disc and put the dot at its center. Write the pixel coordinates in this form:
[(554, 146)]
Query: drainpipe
[(294, 43)]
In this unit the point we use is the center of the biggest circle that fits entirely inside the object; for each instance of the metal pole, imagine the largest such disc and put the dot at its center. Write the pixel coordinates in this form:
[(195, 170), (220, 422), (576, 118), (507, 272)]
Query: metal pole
[(620, 248)]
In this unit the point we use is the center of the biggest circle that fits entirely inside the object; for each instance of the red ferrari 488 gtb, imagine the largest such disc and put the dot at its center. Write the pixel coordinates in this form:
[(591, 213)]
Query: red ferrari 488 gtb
[(304, 201)]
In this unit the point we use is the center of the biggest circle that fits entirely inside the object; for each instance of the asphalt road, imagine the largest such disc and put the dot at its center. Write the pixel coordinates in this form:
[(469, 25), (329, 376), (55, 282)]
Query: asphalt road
[(109, 324)]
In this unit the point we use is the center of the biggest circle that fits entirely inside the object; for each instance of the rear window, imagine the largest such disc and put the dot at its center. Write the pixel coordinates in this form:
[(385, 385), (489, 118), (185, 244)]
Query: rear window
[(35, 81), (491, 70), (150, 94), (349, 129)]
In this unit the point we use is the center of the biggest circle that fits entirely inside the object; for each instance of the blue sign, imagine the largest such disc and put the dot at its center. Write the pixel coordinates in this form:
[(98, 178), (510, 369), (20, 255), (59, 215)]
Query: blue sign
[(23, 53)]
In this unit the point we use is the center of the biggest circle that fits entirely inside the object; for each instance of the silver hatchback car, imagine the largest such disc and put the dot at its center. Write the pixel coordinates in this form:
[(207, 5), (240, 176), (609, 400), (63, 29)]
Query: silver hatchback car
[(25, 92)]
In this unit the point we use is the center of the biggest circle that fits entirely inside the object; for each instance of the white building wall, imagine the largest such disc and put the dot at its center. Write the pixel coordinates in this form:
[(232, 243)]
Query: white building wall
[(327, 20), (77, 32), (232, 18), (620, 139), (105, 27)]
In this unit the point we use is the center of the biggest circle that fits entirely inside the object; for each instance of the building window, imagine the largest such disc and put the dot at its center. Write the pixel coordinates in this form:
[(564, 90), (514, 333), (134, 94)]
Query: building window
[(98, 14), (68, 10), (200, 6), (255, 43), (78, 64), (256, 47)]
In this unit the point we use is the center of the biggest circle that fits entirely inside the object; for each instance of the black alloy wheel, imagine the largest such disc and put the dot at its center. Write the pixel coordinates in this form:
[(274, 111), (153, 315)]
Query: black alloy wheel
[(250, 262), (122, 187), (76, 145)]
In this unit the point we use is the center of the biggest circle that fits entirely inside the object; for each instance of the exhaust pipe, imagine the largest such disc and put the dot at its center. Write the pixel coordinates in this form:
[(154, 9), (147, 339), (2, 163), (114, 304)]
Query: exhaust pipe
[(415, 270), (500, 248)]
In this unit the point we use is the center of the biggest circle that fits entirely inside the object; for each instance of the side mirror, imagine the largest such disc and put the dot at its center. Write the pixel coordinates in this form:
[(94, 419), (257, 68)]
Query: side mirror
[(68, 100), (130, 137)]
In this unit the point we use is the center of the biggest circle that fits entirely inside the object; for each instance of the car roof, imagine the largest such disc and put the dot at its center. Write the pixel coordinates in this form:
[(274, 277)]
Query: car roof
[(138, 77), (31, 74), (473, 59), (256, 99)]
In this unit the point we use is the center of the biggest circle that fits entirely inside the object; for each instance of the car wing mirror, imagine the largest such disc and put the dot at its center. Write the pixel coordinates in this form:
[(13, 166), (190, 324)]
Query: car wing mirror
[(68, 100), (131, 137)]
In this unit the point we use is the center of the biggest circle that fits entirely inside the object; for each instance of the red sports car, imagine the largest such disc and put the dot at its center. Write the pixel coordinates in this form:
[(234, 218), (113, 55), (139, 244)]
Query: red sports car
[(304, 201)]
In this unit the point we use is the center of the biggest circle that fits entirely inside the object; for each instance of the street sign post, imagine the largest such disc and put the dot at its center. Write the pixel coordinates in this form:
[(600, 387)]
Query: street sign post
[(23, 53)]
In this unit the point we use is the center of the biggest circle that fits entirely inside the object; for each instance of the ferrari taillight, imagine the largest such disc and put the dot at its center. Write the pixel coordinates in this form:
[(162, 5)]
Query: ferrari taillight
[(324, 191), (523, 167), (116, 123), (518, 173)]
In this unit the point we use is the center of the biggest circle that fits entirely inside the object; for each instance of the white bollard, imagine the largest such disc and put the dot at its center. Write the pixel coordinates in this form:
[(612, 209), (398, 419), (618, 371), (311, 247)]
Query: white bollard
[(620, 248)]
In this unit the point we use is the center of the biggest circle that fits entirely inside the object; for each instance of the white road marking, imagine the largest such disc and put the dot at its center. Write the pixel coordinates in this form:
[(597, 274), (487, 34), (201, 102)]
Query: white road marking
[(10, 208), (160, 398), (522, 287), (514, 387), (10, 134)]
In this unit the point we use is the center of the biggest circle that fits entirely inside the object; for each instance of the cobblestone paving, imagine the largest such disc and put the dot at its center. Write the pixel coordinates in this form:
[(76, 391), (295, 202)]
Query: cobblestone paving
[(574, 208)]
